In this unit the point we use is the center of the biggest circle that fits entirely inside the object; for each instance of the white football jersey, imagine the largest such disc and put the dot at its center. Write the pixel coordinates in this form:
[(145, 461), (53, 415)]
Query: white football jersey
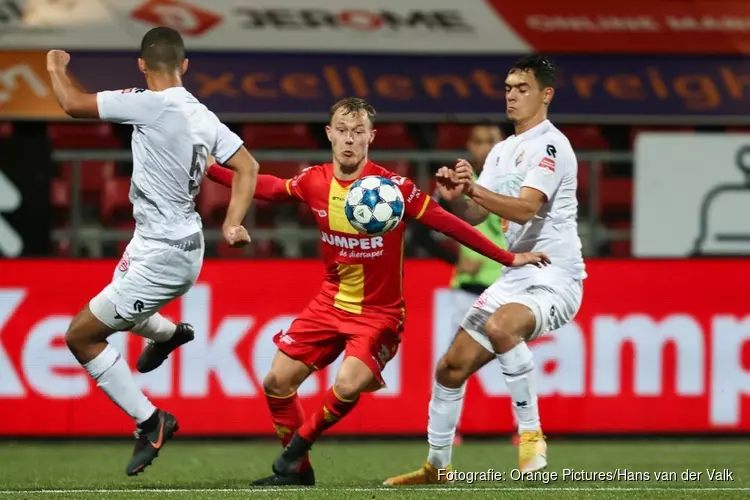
[(540, 158), (173, 134)]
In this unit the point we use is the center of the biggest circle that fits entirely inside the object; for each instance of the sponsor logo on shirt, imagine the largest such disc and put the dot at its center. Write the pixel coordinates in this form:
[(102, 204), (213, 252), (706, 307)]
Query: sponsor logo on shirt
[(414, 195), (547, 164), (350, 242)]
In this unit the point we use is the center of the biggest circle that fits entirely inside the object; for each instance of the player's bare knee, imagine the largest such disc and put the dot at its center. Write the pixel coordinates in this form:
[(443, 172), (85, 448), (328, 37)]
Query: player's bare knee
[(509, 325), (351, 382), (76, 338), (279, 384), (349, 388), (450, 372), (501, 330), (72, 340)]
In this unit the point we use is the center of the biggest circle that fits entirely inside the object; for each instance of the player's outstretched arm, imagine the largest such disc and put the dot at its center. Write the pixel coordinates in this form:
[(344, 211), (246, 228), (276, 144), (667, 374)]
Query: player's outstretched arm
[(269, 188), (75, 103), (450, 225)]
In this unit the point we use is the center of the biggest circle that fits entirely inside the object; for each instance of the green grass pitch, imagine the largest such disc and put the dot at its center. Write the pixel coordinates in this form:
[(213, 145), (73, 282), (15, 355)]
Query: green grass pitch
[(355, 470)]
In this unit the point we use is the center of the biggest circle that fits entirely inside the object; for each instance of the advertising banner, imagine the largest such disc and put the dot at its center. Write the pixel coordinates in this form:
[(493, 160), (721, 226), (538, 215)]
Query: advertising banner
[(25, 89), (240, 86), (387, 26), (270, 86), (390, 26), (645, 337), (707, 213), (633, 27)]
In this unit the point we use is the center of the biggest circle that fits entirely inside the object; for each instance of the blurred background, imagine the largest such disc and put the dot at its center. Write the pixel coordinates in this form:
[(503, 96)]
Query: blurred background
[(654, 97)]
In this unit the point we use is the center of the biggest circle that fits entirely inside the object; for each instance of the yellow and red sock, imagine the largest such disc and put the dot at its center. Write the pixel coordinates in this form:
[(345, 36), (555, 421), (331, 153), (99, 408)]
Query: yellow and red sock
[(333, 409), (288, 416)]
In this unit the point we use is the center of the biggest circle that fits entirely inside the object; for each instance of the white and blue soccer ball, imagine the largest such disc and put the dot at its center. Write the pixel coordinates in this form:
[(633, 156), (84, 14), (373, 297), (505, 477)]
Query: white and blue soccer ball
[(374, 205)]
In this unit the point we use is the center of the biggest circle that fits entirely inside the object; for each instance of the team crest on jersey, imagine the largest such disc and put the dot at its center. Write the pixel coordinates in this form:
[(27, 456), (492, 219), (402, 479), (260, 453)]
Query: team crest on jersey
[(519, 159), (124, 263), (133, 90)]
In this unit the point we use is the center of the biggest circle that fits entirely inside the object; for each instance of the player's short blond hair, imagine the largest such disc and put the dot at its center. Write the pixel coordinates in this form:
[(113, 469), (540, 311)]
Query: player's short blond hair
[(354, 105)]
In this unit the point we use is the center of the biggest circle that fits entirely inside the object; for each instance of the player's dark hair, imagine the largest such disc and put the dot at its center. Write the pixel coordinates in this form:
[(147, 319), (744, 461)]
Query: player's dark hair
[(162, 49), (354, 105), (544, 69)]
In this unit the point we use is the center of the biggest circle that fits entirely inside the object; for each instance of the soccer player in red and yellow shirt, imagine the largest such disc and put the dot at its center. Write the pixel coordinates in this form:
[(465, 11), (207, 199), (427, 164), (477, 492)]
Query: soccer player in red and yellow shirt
[(360, 309)]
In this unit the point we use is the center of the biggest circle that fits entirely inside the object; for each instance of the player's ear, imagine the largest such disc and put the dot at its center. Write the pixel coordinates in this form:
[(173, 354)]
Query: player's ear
[(328, 133), (141, 65), (549, 93), (185, 64), (372, 136)]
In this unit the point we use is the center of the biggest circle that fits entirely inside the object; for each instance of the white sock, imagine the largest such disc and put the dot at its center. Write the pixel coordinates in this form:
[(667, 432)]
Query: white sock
[(518, 368), (157, 328), (445, 410), (113, 376)]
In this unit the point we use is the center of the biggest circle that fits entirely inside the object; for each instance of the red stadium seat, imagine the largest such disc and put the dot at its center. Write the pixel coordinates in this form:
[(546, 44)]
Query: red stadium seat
[(59, 194), (278, 136), (615, 196), (83, 136), (212, 202), (115, 203), (225, 251), (620, 247), (266, 249), (93, 176), (6, 129), (283, 169), (585, 137), (402, 168), (452, 135), (393, 136), (59, 198), (584, 181)]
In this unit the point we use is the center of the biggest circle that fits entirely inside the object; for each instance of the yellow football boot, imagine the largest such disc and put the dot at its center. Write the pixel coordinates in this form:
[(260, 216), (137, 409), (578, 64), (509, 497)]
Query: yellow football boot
[(532, 451), (427, 474)]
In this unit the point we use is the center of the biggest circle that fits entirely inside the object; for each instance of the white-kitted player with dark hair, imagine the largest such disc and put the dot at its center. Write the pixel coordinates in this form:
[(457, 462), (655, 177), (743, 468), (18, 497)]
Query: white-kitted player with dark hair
[(530, 181), (173, 135)]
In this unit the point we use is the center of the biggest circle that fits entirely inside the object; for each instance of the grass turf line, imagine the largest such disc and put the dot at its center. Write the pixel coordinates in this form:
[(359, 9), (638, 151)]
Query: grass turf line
[(353, 470)]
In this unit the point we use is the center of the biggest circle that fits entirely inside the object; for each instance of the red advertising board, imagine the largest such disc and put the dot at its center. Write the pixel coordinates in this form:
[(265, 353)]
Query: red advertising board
[(658, 346), (633, 27)]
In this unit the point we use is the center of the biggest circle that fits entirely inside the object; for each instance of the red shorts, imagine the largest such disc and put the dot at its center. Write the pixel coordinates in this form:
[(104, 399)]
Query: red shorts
[(322, 332)]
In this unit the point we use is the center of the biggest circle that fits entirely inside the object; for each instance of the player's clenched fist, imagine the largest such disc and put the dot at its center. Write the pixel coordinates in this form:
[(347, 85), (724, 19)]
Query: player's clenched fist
[(464, 175), (57, 60), (236, 236), (538, 259)]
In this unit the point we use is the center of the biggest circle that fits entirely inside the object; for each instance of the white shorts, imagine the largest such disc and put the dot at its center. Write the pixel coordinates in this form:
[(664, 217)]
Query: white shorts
[(150, 274), (553, 298), (461, 301)]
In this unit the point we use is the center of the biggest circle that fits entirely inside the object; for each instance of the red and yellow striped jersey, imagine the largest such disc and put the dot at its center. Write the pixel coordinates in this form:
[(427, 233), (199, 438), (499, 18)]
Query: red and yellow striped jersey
[(362, 271)]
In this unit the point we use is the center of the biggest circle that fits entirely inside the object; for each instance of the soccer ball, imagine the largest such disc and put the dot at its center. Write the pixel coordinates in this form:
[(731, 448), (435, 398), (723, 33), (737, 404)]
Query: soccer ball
[(374, 205)]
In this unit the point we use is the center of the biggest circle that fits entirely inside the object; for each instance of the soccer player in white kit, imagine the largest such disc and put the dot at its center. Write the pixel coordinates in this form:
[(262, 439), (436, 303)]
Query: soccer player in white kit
[(529, 180), (173, 135)]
